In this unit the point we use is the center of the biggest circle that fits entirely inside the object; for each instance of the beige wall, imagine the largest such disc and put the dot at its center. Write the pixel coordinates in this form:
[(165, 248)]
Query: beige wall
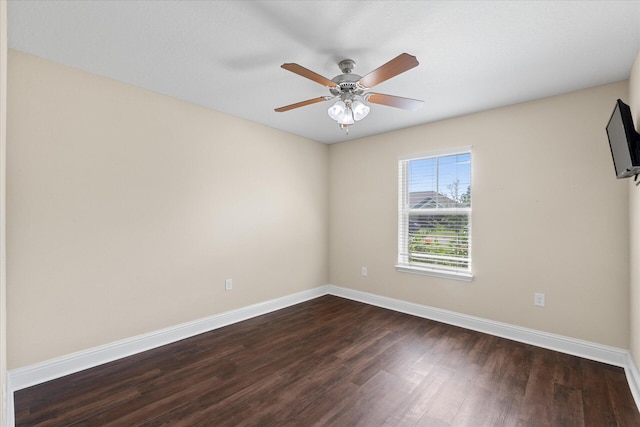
[(634, 223), (3, 145), (548, 216), (128, 209)]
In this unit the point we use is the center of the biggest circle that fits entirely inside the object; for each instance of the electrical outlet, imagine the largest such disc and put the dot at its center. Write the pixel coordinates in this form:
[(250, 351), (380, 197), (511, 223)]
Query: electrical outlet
[(538, 299), (228, 284), (364, 271)]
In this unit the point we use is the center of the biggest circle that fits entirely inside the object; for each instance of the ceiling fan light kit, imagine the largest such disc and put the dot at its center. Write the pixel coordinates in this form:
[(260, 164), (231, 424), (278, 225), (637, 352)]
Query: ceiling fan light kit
[(350, 89), (349, 111)]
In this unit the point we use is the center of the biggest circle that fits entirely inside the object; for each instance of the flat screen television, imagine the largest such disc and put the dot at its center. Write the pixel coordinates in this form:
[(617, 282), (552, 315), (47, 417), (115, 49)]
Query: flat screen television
[(624, 141)]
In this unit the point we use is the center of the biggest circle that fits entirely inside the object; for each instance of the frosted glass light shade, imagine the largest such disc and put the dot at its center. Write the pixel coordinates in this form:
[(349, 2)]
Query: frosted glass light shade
[(360, 110), (337, 110), (347, 118)]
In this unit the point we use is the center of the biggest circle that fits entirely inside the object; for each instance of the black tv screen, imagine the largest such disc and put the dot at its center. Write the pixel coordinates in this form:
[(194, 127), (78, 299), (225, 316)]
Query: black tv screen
[(624, 141)]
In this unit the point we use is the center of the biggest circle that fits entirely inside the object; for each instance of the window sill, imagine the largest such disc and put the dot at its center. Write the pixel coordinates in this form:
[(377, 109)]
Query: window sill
[(465, 277)]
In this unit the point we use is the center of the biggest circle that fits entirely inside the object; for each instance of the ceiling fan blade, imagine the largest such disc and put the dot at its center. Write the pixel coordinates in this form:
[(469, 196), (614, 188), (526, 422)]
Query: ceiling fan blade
[(302, 103), (397, 65), (394, 101), (304, 72)]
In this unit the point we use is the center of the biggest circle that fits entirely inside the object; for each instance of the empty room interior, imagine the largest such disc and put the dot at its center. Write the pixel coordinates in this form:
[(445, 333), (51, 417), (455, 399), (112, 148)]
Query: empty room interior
[(319, 213)]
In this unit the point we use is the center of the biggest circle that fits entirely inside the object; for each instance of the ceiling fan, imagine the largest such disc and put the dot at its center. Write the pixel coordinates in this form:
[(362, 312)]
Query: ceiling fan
[(350, 89)]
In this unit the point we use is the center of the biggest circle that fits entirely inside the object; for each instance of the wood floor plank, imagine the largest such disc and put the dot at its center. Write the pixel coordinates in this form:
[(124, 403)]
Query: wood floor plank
[(332, 361), (598, 408), (537, 401), (452, 395), (484, 408), (567, 406), (417, 405), (617, 386)]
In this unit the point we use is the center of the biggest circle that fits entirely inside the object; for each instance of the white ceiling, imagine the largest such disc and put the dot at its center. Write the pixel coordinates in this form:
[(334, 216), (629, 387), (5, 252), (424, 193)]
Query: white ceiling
[(226, 55)]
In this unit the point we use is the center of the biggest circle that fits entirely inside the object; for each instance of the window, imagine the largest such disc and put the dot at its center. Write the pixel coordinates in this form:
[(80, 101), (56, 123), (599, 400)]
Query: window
[(434, 218)]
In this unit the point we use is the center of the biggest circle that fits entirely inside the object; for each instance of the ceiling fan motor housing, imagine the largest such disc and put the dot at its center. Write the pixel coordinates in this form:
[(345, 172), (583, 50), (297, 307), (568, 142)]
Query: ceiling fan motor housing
[(347, 82)]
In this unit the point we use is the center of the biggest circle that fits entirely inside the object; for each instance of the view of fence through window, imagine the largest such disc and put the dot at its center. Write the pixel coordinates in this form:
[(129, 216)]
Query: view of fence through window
[(438, 209)]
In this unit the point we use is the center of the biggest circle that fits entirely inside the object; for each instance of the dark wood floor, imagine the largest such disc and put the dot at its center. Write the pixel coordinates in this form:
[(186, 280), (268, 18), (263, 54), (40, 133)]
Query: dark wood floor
[(336, 362)]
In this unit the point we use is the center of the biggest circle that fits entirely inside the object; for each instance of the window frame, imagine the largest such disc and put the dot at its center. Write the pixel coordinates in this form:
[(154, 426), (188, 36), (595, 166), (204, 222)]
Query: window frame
[(403, 264)]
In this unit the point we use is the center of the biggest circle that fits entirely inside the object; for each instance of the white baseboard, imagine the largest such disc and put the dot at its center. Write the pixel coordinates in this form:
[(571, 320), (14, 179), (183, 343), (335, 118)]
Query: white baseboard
[(633, 378), (588, 350), (10, 413), (56, 368)]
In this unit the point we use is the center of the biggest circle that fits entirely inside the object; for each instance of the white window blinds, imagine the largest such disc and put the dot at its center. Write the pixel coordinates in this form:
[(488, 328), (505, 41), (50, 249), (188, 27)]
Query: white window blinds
[(435, 213)]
